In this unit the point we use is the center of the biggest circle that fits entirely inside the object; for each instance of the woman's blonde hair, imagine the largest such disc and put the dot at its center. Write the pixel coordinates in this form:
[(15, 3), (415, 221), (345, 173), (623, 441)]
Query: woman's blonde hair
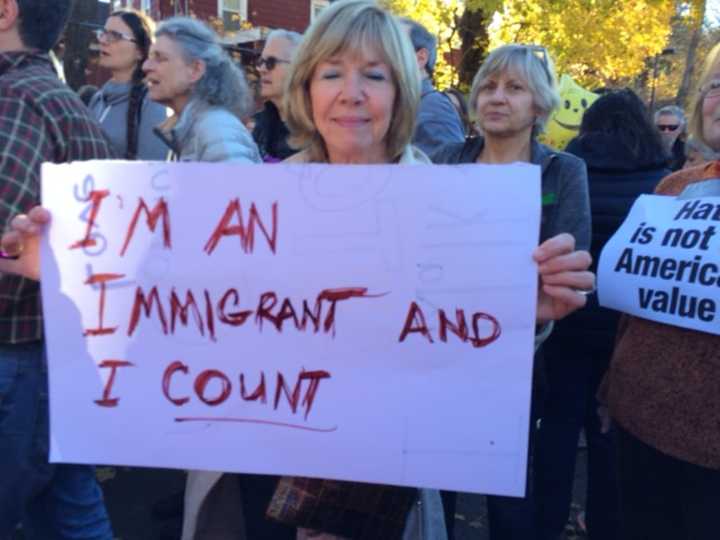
[(696, 126), (531, 62), (353, 26)]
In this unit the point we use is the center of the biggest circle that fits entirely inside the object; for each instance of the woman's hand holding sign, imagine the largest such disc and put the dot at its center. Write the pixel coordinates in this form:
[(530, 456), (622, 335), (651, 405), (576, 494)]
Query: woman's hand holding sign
[(565, 280)]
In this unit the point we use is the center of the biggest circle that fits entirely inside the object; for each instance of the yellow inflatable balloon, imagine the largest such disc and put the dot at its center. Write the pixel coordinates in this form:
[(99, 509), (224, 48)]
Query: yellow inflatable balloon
[(564, 123)]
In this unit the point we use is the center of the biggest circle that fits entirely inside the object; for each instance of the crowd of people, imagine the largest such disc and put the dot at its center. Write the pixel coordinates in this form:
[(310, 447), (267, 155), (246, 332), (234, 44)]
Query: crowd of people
[(357, 88)]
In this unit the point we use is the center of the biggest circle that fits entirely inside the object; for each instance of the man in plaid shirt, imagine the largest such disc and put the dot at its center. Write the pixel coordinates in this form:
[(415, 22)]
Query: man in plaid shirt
[(41, 120)]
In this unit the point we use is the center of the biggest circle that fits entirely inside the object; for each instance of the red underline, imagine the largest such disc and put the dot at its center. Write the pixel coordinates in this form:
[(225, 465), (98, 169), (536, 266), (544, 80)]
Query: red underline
[(254, 421)]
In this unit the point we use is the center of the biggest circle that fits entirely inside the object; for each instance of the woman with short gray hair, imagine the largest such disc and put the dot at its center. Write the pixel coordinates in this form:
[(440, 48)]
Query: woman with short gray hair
[(513, 95), (189, 71)]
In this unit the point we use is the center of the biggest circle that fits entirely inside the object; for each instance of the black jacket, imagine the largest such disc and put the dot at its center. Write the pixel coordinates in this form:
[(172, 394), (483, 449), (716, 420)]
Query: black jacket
[(616, 179), (271, 134)]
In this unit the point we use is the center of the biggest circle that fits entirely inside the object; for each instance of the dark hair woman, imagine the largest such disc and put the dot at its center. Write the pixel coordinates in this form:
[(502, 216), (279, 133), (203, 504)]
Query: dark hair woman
[(625, 158), (122, 105)]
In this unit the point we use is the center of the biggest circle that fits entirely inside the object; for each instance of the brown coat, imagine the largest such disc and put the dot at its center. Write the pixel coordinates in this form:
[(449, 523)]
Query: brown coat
[(663, 385)]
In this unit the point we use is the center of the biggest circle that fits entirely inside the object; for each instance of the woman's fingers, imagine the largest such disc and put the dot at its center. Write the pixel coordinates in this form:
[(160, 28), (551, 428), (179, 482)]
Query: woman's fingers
[(572, 298), (560, 244), (21, 242), (584, 281), (39, 215), (12, 243), (573, 261)]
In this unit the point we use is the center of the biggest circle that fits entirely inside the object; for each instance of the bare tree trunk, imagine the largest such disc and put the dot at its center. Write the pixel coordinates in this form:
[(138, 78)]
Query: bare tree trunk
[(684, 89), (77, 41), (474, 38)]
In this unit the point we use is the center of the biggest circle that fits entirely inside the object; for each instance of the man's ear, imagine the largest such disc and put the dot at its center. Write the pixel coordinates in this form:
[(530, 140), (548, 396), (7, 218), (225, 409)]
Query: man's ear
[(197, 70), (9, 13)]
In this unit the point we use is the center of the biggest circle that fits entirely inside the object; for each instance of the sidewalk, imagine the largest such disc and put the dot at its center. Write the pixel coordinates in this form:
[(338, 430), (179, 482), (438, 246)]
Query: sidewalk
[(130, 493)]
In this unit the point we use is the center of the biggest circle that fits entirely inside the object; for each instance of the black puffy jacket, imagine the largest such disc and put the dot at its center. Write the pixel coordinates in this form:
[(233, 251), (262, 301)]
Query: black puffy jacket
[(615, 178)]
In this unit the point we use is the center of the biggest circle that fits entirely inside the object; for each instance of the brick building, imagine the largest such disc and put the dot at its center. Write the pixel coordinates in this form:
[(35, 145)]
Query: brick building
[(290, 14), (242, 23)]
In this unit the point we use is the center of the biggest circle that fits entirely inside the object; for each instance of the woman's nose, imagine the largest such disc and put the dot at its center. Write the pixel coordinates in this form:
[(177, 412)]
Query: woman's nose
[(499, 94), (352, 88)]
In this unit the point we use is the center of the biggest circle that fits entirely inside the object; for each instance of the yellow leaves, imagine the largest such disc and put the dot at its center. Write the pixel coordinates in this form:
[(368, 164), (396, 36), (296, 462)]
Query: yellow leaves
[(440, 18), (597, 42)]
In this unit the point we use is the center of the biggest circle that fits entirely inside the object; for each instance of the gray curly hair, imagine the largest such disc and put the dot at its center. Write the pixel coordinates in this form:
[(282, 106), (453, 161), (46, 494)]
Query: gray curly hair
[(224, 83)]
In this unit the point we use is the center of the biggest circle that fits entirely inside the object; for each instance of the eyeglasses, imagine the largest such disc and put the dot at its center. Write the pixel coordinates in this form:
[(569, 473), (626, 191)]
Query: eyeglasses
[(112, 36), (710, 89), (541, 54), (668, 127), (269, 62)]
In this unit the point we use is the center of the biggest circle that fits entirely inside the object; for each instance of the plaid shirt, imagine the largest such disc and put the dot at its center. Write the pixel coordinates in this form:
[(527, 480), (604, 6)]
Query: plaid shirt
[(41, 120)]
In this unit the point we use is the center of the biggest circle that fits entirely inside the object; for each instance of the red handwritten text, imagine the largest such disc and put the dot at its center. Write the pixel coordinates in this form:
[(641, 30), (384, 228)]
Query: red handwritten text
[(102, 279), (415, 322), (151, 217), (245, 233), (316, 316), (214, 387), (106, 400), (95, 198)]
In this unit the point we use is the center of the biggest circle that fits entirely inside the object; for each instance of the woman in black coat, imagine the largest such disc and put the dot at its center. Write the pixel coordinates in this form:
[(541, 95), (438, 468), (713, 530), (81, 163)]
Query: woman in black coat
[(625, 158)]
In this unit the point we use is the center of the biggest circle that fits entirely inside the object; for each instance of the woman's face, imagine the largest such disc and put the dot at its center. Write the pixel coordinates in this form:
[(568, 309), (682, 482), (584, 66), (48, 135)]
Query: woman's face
[(169, 77), (272, 80), (711, 110), (505, 105), (352, 96), (118, 51)]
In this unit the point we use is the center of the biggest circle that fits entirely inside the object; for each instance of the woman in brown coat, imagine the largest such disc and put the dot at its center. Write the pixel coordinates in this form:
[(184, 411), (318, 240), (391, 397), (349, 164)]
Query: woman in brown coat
[(663, 392)]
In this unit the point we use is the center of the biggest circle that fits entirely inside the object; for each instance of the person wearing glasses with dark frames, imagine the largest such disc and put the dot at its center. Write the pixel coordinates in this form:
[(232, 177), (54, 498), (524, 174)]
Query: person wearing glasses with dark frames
[(512, 96), (270, 132), (671, 123), (122, 106)]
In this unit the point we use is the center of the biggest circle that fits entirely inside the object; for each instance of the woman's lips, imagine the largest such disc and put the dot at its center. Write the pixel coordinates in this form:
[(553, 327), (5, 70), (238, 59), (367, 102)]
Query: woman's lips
[(494, 116), (351, 121)]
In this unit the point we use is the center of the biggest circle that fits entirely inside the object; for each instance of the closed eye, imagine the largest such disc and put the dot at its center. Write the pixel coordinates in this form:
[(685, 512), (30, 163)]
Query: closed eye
[(329, 75), (376, 76)]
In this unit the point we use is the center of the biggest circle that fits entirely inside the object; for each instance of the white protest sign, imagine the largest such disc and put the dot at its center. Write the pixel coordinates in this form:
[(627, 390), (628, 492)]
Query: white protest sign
[(663, 263), (368, 323)]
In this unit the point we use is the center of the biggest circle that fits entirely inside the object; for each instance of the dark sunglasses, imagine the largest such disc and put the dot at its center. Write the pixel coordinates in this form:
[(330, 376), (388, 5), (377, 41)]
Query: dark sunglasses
[(668, 127), (270, 62), (111, 36)]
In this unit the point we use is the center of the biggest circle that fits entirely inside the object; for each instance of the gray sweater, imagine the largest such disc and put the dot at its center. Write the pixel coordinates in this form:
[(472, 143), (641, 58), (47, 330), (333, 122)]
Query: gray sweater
[(566, 203), (208, 133), (438, 123), (110, 107)]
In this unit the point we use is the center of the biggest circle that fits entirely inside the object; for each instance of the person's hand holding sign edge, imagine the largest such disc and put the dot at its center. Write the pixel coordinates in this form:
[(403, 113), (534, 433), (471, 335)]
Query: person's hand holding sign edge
[(21, 244), (565, 281)]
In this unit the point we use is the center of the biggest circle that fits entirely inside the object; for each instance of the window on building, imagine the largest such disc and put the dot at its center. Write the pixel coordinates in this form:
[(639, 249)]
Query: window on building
[(316, 6), (232, 13)]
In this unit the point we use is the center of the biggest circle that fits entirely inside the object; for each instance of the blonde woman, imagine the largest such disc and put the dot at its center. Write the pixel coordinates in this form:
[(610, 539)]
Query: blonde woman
[(352, 97)]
